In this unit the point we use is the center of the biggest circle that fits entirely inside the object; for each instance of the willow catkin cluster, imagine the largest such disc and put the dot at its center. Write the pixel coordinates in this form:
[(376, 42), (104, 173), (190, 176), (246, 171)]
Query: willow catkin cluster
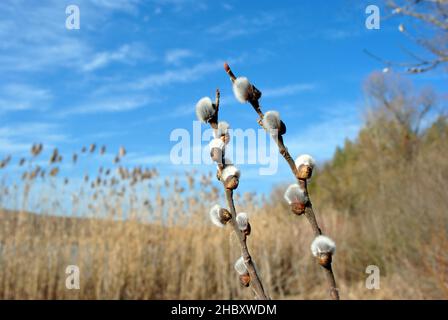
[(229, 175), (296, 195)]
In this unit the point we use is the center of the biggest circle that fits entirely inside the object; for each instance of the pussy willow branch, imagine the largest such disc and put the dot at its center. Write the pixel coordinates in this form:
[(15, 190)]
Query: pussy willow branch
[(309, 212), (255, 281), (254, 278)]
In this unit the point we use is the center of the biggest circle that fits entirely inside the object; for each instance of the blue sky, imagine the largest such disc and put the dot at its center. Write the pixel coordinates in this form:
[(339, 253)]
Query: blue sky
[(135, 69)]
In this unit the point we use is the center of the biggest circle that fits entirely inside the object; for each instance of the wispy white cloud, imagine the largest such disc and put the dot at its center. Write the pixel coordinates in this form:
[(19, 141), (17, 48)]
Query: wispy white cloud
[(242, 26), (53, 46), (8, 146), (339, 34), (23, 29), (130, 95), (180, 5), (142, 159), (125, 54), (288, 90), (176, 56), (122, 5), (174, 75), (107, 105), (17, 97), (34, 130), (173, 112), (227, 6), (178, 75), (20, 137)]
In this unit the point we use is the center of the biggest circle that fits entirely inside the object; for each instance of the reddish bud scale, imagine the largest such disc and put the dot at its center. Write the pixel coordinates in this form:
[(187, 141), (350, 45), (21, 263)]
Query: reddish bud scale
[(231, 182), (245, 280), (304, 172), (298, 208), (325, 259)]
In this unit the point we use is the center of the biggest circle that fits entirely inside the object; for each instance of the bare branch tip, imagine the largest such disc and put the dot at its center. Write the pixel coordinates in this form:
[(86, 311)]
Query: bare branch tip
[(226, 67)]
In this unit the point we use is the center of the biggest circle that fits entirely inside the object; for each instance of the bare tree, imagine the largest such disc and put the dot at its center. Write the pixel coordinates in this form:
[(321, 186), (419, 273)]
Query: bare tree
[(400, 107), (427, 25)]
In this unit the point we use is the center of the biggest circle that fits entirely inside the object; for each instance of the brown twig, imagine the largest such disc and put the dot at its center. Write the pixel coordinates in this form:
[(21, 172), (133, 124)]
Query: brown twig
[(255, 281), (309, 212)]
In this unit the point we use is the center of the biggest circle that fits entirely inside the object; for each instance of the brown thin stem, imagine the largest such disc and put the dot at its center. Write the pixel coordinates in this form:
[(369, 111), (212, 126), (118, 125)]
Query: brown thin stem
[(309, 212), (214, 121), (255, 281), (334, 292)]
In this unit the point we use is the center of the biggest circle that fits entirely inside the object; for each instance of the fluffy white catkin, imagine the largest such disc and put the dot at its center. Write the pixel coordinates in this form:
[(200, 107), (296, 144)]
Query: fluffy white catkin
[(322, 244), (241, 88), (271, 121), (205, 109), (229, 171), (305, 159), (214, 215), (242, 221), (295, 194)]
